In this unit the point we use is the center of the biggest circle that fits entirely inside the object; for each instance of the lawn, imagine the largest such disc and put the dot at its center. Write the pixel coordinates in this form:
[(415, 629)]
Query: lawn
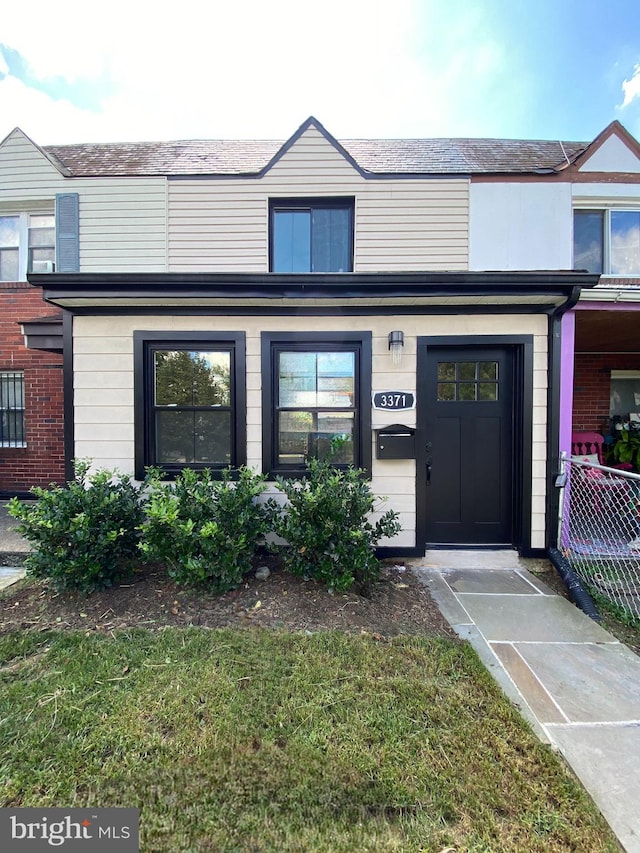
[(262, 740)]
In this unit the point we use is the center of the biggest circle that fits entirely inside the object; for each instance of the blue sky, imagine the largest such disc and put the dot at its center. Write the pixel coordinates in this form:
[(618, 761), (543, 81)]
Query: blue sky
[(365, 68)]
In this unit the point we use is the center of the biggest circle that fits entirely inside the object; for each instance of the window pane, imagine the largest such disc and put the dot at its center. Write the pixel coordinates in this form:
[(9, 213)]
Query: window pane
[(193, 438), (467, 370), (291, 241), (9, 232), (588, 232), (42, 237), (9, 264), (336, 379), (324, 379), (44, 221), (331, 240), (625, 242), (11, 409), (297, 379), (325, 435), (199, 378)]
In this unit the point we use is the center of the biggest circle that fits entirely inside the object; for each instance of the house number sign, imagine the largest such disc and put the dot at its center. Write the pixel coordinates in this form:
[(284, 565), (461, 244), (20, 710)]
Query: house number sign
[(394, 401)]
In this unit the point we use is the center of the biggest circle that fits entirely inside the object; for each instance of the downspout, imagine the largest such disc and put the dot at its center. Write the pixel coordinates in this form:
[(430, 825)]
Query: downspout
[(572, 582), (553, 413)]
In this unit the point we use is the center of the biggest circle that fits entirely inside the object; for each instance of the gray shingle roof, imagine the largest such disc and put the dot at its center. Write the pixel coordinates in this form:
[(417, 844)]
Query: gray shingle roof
[(376, 156)]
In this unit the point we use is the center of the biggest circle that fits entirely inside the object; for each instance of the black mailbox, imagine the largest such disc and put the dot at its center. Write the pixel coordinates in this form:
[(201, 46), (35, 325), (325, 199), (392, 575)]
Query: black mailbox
[(396, 442)]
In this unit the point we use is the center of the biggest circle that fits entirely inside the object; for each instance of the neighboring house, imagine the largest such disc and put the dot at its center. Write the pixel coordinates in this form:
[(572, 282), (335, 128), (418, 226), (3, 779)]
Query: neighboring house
[(257, 302)]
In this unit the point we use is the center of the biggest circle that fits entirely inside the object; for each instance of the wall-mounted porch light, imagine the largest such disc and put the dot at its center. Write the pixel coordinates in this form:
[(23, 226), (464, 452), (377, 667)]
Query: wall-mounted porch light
[(396, 344)]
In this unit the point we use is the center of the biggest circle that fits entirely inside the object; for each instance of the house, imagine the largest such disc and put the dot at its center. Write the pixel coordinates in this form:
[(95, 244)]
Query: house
[(408, 305)]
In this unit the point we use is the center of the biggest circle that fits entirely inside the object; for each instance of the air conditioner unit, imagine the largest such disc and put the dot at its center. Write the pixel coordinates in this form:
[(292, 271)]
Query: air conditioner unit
[(43, 266)]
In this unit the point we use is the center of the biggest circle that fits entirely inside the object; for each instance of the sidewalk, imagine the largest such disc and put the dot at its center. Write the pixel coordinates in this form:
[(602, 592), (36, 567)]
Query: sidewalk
[(13, 549), (578, 687)]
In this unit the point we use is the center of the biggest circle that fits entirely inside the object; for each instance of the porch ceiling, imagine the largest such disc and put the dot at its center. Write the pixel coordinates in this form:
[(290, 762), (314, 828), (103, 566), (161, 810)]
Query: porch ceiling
[(608, 331)]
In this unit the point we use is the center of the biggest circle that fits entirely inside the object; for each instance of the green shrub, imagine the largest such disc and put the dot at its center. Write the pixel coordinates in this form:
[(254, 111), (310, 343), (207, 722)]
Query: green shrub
[(85, 534), (206, 531), (327, 529)]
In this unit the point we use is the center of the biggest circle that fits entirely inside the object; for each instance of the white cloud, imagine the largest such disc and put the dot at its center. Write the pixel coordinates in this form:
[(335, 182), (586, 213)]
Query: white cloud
[(255, 68), (631, 88)]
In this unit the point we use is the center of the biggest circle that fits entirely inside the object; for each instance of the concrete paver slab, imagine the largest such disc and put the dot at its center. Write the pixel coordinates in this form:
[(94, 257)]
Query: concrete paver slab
[(9, 575), (489, 581), (531, 618), (606, 760), (590, 682), (537, 698)]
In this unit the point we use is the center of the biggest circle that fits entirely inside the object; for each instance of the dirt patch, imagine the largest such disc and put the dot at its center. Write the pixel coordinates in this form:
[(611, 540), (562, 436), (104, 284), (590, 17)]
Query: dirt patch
[(398, 604)]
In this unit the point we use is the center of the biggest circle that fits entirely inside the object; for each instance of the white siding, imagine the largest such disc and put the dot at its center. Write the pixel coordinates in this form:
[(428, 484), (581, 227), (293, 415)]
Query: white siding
[(520, 226), (612, 156), (221, 225), (105, 396), (122, 220)]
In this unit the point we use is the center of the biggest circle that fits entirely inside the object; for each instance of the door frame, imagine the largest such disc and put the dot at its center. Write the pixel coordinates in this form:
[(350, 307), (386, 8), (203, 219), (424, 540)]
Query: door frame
[(521, 347)]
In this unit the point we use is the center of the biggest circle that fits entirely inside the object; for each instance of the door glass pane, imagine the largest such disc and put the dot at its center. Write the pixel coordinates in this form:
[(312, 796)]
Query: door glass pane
[(488, 370), (625, 242), (291, 241), (199, 378), (467, 370), (487, 391), (446, 391), (446, 370), (467, 391)]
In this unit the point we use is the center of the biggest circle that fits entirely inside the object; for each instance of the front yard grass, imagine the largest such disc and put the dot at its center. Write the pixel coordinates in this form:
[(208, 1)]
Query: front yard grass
[(257, 740)]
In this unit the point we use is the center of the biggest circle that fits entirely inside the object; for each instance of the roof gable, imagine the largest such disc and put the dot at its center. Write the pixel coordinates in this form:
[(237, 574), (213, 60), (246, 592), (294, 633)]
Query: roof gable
[(18, 139), (310, 131), (613, 150)]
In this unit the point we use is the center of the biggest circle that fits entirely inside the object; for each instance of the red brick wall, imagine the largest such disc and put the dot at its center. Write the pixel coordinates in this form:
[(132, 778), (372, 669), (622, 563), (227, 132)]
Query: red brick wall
[(591, 389), (42, 461)]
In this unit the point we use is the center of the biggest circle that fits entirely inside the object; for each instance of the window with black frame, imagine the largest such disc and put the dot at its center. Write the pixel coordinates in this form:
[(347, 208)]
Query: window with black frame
[(12, 409), (187, 398), (314, 402), (313, 235)]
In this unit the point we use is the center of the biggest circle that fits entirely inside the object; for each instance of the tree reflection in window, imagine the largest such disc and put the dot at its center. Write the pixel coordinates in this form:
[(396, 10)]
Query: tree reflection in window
[(192, 391)]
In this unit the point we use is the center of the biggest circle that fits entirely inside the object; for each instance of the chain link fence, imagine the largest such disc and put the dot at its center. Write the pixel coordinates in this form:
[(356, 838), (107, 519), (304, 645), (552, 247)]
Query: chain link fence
[(599, 530)]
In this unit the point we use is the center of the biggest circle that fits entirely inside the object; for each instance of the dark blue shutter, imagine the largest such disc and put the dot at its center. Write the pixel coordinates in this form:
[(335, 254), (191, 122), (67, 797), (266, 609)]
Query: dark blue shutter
[(67, 233)]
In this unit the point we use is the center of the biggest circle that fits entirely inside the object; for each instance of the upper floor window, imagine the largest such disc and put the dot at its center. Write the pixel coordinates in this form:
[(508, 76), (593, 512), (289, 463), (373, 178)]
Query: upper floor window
[(311, 235), (26, 240), (607, 241)]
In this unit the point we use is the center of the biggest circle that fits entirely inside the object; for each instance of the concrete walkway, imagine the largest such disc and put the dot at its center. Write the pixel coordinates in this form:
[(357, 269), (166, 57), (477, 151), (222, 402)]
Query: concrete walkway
[(13, 549), (578, 687)]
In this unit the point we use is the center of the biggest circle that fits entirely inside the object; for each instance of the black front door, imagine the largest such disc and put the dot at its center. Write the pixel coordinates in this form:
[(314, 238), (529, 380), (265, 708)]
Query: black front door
[(468, 421)]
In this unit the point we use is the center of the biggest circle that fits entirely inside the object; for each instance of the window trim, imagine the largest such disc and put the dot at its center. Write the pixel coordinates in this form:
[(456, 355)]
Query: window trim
[(329, 202), (145, 343), (8, 443), (606, 212), (273, 343)]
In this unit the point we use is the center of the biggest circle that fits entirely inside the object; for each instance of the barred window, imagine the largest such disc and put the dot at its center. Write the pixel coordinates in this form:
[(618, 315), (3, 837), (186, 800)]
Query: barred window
[(12, 409)]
